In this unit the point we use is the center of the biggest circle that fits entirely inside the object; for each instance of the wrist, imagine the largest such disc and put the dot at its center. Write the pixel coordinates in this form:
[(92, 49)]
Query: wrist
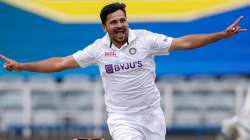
[(19, 67), (223, 34)]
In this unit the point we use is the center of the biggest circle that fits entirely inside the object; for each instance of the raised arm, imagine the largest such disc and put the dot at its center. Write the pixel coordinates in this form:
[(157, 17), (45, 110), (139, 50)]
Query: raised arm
[(195, 41), (54, 64)]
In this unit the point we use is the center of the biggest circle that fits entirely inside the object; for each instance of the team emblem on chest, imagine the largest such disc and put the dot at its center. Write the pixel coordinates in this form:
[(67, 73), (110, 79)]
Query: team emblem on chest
[(132, 51)]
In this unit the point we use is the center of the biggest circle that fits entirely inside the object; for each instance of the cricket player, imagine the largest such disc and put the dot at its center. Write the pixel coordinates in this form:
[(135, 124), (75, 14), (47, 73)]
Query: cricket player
[(238, 127), (125, 58)]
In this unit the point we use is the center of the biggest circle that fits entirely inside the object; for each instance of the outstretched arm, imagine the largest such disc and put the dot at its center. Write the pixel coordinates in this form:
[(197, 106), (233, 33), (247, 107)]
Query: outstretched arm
[(195, 41), (49, 65)]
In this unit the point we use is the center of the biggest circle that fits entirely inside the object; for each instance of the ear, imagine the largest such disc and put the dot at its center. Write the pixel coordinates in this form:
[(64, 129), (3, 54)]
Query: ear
[(104, 28)]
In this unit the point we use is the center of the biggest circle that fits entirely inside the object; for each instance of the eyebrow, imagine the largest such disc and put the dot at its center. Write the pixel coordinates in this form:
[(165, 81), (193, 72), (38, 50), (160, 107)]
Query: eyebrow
[(117, 19)]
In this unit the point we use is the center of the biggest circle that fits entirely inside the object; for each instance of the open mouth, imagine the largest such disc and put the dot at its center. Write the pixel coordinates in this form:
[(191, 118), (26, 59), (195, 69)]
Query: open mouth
[(120, 33)]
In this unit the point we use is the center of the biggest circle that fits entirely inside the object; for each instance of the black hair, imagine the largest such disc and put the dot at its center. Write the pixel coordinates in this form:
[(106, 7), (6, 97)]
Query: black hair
[(110, 8)]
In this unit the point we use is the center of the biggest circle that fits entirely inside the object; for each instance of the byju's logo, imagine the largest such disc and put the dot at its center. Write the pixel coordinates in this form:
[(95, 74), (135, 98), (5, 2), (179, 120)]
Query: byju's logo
[(110, 68)]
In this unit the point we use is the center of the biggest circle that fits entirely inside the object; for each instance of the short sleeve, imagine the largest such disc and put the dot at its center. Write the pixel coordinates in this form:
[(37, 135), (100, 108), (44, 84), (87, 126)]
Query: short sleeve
[(160, 43), (87, 56)]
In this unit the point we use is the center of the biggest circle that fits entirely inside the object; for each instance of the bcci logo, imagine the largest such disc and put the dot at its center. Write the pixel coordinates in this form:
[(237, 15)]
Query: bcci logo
[(132, 51)]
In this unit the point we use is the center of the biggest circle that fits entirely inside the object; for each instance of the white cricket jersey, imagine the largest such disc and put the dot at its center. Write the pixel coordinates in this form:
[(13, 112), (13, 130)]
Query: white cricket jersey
[(128, 73)]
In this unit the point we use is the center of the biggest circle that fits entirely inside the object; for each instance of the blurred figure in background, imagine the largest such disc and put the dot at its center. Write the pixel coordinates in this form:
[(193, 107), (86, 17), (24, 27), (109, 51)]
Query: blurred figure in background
[(238, 127)]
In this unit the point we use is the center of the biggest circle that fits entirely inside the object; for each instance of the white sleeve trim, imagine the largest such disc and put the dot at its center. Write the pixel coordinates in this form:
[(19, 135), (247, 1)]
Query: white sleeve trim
[(162, 45)]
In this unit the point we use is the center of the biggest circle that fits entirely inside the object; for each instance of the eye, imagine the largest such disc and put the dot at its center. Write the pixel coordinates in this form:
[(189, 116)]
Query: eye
[(113, 22), (123, 20)]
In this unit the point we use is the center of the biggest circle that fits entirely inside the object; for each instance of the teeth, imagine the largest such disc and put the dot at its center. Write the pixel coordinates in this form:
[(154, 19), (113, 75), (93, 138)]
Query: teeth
[(118, 31)]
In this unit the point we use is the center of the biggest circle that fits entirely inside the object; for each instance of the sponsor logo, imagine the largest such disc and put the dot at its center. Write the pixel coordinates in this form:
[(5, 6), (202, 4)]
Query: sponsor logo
[(111, 68), (111, 53)]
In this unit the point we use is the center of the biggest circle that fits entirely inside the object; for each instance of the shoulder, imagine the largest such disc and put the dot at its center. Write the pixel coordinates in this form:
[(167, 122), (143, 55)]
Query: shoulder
[(145, 36), (96, 46), (97, 43), (93, 49)]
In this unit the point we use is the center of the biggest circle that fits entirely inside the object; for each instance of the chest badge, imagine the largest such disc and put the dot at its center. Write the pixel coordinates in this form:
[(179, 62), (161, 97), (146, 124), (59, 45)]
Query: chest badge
[(132, 51)]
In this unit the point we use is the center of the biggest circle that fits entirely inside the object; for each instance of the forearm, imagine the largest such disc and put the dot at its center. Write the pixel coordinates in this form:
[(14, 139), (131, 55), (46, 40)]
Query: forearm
[(196, 41), (49, 65)]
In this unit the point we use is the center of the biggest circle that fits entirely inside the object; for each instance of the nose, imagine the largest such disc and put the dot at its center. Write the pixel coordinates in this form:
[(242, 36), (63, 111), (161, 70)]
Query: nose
[(119, 24)]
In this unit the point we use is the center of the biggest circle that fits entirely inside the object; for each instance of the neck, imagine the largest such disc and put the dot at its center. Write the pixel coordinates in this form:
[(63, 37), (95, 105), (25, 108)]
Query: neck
[(119, 44)]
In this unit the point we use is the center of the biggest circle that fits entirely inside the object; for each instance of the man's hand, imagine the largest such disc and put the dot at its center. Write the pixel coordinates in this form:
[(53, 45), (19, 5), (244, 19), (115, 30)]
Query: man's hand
[(234, 28), (10, 64)]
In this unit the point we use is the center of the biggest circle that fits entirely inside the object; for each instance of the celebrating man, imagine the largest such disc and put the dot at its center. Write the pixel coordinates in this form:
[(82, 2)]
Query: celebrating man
[(126, 61)]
